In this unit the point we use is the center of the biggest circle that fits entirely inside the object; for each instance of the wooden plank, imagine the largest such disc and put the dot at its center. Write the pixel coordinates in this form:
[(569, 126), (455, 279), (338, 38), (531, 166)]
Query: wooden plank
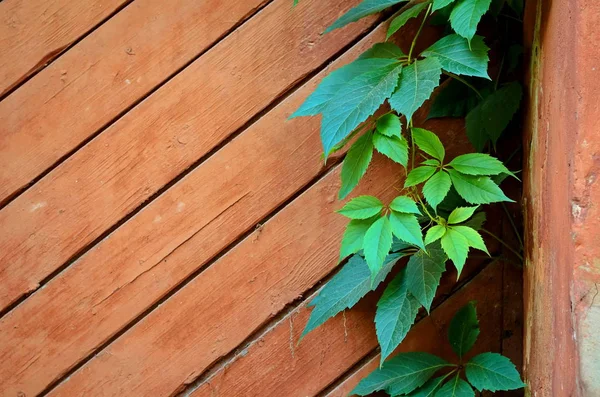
[(136, 265), (160, 138), (34, 32), (101, 77), (430, 334), (274, 365)]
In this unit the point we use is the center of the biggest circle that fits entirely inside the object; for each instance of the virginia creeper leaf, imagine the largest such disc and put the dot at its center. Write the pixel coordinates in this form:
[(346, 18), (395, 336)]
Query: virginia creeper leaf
[(401, 374), (404, 205), (461, 214), (466, 14), (479, 164), (377, 244), (361, 207), (436, 188), (456, 57), (492, 371), (417, 82), (477, 221), (396, 313), (367, 7), (354, 235), (382, 50), (419, 175), (406, 227), (401, 19), (439, 4), (455, 387), (432, 162), (355, 164), (477, 189), (429, 142), (429, 388), (454, 100), (456, 246), (464, 329), (357, 100), (474, 239), (389, 125), (434, 233), (395, 147), (423, 273)]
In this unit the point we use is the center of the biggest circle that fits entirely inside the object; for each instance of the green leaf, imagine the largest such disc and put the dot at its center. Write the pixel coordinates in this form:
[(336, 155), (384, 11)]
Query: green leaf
[(455, 55), (355, 164), (456, 246), (395, 148), (439, 4), (477, 221), (396, 313), (434, 233), (432, 162), (377, 244), (401, 374), (456, 387), (345, 289), (357, 100), (417, 82), (389, 125), (429, 142), (383, 50), (477, 189), (406, 227), (473, 237), (401, 19), (429, 388), (330, 85), (465, 16), (479, 164), (461, 214), (419, 175), (398, 245), (404, 205), (488, 119), (436, 188), (361, 207), (354, 235), (464, 329), (454, 100), (423, 273), (367, 7), (492, 371)]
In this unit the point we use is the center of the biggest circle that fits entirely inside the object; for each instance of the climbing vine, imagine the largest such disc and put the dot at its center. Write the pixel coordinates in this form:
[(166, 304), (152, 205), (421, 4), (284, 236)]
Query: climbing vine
[(438, 215)]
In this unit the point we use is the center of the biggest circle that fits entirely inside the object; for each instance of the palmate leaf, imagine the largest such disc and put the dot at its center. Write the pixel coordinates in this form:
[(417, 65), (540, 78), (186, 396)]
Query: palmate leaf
[(454, 100), (406, 228), (377, 244), (401, 374), (455, 387), (474, 239), (417, 82), (361, 207), (461, 214), (436, 188), (434, 233), (383, 50), (354, 235), (367, 7), (405, 205), (395, 147), (429, 388), (396, 313), (419, 175), (389, 125), (492, 371), (357, 100), (401, 19), (456, 57), (488, 119), (479, 164), (464, 329), (456, 246), (439, 4), (477, 189), (355, 164), (466, 15), (423, 273), (429, 142), (345, 289)]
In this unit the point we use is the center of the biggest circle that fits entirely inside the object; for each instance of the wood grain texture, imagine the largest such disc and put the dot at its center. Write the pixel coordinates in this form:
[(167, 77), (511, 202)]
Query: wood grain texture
[(430, 334), (33, 32), (275, 365), (162, 245), (160, 138), (101, 77)]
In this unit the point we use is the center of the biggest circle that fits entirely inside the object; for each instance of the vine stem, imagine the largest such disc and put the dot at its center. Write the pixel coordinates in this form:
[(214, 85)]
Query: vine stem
[(511, 249), (465, 82), (412, 46)]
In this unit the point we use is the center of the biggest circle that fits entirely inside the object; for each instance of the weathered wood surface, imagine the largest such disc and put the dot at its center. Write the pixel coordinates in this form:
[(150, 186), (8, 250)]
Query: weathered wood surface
[(34, 32)]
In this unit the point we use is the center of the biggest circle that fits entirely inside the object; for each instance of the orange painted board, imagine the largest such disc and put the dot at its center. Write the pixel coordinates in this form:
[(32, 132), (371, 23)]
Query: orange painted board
[(34, 32), (162, 137), (430, 334), (102, 76)]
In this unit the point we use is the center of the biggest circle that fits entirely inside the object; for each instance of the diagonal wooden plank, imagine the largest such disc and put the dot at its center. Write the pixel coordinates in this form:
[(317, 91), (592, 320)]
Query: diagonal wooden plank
[(34, 32), (273, 365), (162, 137), (102, 76)]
